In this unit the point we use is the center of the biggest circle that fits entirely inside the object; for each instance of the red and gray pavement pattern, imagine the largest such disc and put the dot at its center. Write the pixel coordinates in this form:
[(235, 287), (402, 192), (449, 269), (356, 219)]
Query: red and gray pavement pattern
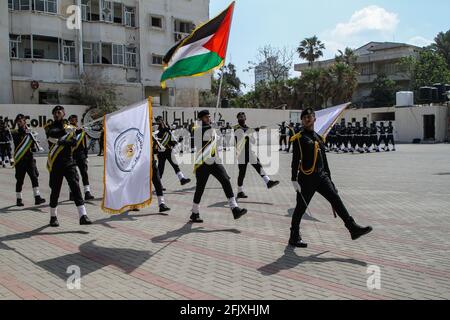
[(404, 195)]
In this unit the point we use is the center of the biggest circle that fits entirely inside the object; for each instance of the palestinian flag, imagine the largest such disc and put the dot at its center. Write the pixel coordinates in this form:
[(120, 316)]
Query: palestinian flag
[(200, 52)]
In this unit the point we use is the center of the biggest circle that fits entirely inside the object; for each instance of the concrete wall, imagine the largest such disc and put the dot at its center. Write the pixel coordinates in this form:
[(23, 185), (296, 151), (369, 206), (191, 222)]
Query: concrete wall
[(5, 65)]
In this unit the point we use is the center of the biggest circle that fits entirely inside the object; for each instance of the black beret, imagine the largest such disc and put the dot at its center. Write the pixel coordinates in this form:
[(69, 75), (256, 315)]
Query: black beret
[(240, 114), (19, 116), (158, 118), (307, 112), (57, 108), (73, 116), (203, 113)]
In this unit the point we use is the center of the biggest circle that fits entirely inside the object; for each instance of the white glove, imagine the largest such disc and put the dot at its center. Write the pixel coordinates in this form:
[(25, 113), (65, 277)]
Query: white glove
[(296, 186)]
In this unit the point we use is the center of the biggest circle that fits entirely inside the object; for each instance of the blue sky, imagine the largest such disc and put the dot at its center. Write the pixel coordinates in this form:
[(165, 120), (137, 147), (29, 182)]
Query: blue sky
[(338, 23)]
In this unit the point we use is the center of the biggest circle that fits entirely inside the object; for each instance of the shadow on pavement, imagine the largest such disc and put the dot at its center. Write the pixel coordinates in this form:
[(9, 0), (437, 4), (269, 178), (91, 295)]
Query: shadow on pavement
[(305, 216), (123, 217), (10, 209), (186, 229), (92, 258), (290, 260)]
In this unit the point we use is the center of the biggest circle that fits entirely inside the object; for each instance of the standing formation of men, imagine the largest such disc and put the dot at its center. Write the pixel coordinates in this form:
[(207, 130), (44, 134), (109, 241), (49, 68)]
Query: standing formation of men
[(353, 137), (5, 145)]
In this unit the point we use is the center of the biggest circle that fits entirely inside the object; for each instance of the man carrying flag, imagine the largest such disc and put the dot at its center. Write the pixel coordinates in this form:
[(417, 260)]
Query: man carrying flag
[(24, 161), (311, 173)]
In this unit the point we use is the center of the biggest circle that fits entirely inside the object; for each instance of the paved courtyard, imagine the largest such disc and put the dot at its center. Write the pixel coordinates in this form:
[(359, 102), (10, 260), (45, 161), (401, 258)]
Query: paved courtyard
[(404, 195)]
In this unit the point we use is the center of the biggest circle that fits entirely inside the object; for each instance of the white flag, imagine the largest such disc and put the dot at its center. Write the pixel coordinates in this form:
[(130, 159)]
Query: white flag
[(128, 159), (325, 119)]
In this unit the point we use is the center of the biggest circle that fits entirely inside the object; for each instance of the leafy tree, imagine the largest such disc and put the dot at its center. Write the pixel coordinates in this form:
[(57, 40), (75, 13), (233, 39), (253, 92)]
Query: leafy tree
[(383, 92), (311, 49), (274, 62), (441, 45)]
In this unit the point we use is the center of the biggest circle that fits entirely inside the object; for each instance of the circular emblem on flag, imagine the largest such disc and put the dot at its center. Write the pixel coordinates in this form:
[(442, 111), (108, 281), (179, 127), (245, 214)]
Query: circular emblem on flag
[(128, 149)]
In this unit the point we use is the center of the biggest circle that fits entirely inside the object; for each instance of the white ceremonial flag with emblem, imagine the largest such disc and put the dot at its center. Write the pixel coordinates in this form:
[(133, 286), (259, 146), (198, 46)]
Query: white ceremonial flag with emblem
[(127, 181), (325, 119)]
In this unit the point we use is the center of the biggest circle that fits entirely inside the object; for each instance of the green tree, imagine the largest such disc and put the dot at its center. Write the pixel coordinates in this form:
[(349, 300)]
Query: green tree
[(311, 49), (427, 68), (441, 45), (383, 92), (347, 56)]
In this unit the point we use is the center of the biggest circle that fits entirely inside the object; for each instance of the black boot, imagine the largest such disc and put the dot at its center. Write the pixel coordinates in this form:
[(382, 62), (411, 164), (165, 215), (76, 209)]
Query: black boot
[(272, 184), (238, 213), (295, 239), (163, 208), (20, 203), (242, 195), (88, 196), (84, 221), (195, 218), (54, 222), (38, 200), (185, 181), (356, 231)]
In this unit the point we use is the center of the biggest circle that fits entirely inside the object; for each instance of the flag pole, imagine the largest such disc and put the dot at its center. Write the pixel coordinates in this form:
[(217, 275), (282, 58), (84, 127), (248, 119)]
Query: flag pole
[(219, 94)]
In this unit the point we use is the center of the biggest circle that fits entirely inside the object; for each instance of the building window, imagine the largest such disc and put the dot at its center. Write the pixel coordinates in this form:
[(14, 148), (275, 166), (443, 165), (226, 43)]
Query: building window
[(117, 13), (130, 57), (48, 97), (366, 69), (91, 53), (24, 5), (156, 22), (117, 54), (182, 29), (107, 11), (106, 52), (86, 10), (49, 6), (130, 16), (44, 48), (14, 43), (157, 59), (68, 51)]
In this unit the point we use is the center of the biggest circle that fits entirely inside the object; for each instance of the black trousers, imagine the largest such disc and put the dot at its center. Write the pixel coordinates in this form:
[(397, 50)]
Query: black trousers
[(390, 139), (4, 151), (26, 166), (162, 158), (83, 167), (374, 141), (217, 171), (289, 144), (321, 183), (283, 140), (383, 138), (56, 179), (243, 171), (156, 179)]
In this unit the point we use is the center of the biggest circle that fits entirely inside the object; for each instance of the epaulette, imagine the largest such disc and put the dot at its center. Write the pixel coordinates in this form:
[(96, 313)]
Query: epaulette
[(236, 127), (296, 137)]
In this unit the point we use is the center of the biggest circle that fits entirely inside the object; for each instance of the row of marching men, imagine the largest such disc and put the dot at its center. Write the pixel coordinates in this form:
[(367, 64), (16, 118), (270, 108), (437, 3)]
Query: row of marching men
[(364, 138)]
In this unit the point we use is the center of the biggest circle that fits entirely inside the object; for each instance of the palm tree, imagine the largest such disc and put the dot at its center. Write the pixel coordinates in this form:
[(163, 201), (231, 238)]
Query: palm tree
[(442, 45), (345, 81), (348, 57), (310, 50)]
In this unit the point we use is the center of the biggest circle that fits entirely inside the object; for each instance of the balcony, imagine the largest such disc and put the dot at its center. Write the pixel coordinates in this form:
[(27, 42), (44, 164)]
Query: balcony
[(43, 70)]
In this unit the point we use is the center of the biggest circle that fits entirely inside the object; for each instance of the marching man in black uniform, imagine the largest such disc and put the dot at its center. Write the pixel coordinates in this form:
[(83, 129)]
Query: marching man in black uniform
[(80, 155), (374, 137), (25, 144), (383, 136), (311, 173), (390, 135), (5, 145), (245, 155), (166, 145), (208, 163), (60, 164), (156, 178)]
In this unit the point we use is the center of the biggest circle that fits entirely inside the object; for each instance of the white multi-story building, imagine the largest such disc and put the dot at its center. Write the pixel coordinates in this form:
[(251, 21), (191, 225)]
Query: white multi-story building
[(121, 42), (264, 71)]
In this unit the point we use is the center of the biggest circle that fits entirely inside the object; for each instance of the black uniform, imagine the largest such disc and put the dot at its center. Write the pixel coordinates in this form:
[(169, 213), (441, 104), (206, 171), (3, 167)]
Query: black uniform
[(24, 159), (374, 136), (310, 168), (383, 136), (390, 135), (365, 137), (80, 155), (63, 165), (209, 165), (291, 133), (156, 177), (5, 145), (283, 135), (166, 139)]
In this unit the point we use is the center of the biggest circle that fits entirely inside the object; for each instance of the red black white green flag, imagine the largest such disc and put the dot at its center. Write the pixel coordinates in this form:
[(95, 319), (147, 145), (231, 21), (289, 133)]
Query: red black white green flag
[(200, 52)]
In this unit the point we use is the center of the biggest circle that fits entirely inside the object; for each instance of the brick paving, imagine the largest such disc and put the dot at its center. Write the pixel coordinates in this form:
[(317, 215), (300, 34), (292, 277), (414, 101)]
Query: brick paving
[(404, 195)]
